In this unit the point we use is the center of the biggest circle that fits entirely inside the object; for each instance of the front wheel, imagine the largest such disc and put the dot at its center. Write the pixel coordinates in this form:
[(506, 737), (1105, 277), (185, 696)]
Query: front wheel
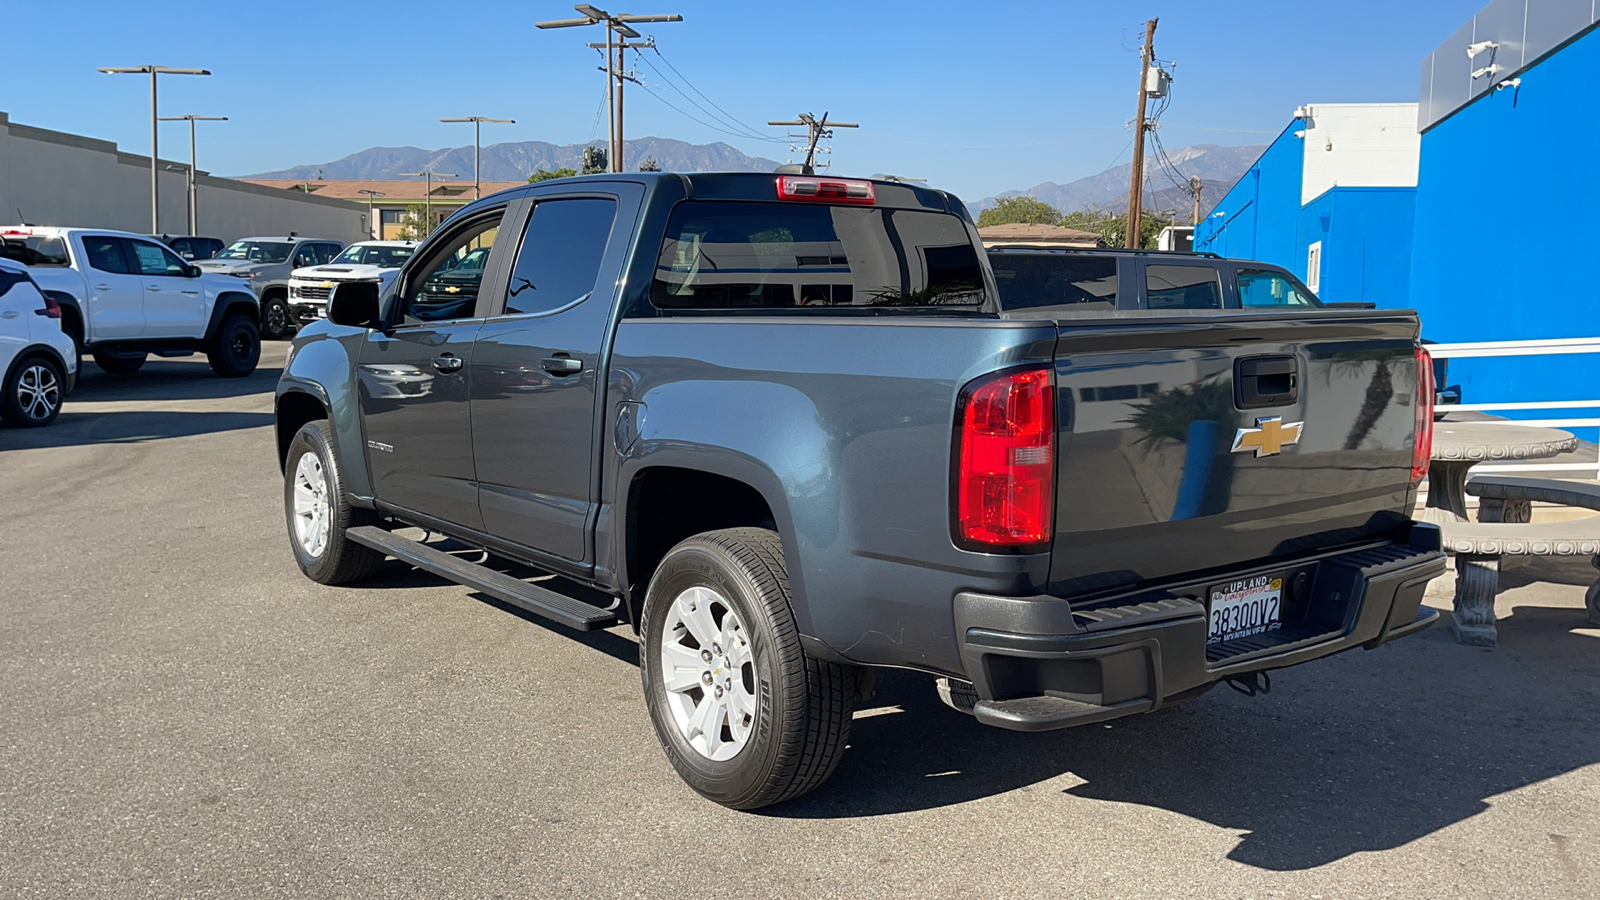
[(746, 718), (235, 348), (275, 322), (319, 514)]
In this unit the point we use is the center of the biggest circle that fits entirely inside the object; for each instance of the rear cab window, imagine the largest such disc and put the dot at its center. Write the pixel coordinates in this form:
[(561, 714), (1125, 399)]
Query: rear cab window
[(729, 255), (34, 250)]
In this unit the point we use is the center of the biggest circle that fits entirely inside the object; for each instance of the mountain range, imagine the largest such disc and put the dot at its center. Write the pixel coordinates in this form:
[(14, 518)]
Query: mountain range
[(1217, 167), (516, 161)]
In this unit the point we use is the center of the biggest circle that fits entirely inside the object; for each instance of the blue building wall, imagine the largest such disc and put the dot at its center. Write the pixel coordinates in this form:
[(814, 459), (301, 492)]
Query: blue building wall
[(1504, 198), (1365, 232)]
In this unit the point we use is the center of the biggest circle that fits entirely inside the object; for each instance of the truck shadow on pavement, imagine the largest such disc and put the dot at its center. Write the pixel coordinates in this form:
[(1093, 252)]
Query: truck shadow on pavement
[(77, 429), (1363, 752), (189, 379)]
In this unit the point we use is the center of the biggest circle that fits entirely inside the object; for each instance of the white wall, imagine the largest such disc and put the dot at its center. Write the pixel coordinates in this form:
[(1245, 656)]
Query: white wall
[(1359, 145), (63, 179)]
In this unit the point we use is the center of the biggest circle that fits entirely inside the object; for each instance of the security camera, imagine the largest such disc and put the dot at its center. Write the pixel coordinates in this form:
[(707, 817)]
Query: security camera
[(1486, 70), (1480, 47)]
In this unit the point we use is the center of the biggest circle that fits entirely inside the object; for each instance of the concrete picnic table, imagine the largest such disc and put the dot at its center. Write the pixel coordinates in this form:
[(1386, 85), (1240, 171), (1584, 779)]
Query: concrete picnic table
[(1460, 445)]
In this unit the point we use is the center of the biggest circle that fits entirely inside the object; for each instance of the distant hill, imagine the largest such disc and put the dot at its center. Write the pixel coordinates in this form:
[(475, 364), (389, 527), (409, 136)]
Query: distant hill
[(516, 161), (1217, 167)]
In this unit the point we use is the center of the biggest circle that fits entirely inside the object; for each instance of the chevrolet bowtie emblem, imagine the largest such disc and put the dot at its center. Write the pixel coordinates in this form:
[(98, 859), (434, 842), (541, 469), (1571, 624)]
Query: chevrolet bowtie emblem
[(1268, 438), (452, 289)]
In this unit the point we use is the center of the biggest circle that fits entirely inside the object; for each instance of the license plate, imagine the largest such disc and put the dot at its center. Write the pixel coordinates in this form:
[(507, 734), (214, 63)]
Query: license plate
[(322, 312), (1245, 607)]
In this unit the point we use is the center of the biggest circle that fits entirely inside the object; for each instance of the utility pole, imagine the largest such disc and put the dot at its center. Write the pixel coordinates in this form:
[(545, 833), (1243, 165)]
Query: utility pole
[(817, 129), (1136, 192), (477, 136), (1195, 187), (373, 230), (153, 71), (427, 198), (617, 26), (194, 219)]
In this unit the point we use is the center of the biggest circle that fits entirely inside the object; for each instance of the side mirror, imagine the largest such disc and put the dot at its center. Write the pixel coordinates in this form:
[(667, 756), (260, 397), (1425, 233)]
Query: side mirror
[(191, 272), (354, 303), (302, 261)]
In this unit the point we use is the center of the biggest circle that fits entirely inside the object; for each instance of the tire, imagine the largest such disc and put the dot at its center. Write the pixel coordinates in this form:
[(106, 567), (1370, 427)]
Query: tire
[(785, 721), (235, 349), (276, 325), (318, 518), (33, 391), (119, 365), (957, 694)]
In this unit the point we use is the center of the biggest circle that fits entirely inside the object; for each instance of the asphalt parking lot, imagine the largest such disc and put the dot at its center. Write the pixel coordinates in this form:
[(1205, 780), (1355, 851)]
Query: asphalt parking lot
[(183, 714)]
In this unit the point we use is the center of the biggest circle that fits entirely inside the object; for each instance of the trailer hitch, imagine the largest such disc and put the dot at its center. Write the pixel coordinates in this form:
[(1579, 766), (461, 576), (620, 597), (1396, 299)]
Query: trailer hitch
[(1251, 684)]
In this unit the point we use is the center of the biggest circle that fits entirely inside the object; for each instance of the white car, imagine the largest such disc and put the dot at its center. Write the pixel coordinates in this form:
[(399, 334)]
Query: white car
[(310, 287), (124, 296), (36, 356)]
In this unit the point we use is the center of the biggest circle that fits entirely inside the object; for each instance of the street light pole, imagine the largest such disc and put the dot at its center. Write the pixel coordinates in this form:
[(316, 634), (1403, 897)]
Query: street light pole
[(477, 130), (194, 189), (427, 197), (153, 71), (373, 230), (618, 25)]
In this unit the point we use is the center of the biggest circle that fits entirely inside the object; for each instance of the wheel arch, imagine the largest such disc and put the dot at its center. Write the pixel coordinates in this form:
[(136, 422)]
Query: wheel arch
[(33, 350), (230, 302), (71, 313), (295, 409)]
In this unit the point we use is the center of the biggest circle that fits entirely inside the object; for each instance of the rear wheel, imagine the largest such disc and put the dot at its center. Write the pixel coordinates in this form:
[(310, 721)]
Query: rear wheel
[(746, 718), (33, 393), (319, 514), (275, 322), (235, 348), (119, 364)]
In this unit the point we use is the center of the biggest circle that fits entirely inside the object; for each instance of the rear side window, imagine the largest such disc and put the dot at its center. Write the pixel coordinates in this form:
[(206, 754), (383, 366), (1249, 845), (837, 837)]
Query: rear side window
[(1183, 287), (1264, 289), (1036, 279), (106, 254), (733, 255), (559, 260)]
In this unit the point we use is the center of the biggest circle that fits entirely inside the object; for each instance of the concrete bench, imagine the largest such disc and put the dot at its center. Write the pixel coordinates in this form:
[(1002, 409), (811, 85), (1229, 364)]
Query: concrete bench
[(1504, 530)]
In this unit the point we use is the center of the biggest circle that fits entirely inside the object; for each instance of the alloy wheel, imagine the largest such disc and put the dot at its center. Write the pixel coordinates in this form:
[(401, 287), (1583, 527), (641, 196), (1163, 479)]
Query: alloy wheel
[(313, 514), (38, 392), (708, 671)]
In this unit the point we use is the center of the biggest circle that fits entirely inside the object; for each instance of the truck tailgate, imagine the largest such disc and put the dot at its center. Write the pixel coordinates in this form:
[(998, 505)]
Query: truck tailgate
[(1149, 412)]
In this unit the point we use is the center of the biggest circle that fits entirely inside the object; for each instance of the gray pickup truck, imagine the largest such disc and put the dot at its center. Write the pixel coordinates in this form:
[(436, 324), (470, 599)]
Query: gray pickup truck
[(782, 426)]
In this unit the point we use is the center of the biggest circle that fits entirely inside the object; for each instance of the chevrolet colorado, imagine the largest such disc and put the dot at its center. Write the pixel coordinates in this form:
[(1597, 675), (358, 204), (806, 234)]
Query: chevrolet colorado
[(784, 428)]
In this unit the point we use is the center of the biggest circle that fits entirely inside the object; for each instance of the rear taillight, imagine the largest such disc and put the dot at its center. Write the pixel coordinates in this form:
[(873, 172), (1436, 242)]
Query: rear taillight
[(1423, 448), (52, 309), (1005, 461), (826, 190)]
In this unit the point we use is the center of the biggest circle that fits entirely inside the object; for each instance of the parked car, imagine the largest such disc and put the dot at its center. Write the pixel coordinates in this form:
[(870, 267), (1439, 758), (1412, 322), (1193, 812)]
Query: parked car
[(192, 248), (1104, 278), (124, 296), (374, 261), (36, 358), (785, 425), (265, 262)]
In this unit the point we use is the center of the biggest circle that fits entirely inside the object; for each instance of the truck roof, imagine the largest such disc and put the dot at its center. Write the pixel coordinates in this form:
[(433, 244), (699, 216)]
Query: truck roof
[(761, 186), (62, 231)]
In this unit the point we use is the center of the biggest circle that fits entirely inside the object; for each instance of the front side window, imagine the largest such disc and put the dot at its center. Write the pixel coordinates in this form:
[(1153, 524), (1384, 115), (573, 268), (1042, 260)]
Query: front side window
[(559, 259), (447, 286), (741, 255), (1260, 288), (1183, 287), (258, 251), (154, 259), (106, 254), (1039, 279)]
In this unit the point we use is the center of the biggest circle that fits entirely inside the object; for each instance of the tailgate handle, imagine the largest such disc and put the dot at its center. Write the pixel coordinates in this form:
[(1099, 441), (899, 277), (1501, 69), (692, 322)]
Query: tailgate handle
[(1265, 381)]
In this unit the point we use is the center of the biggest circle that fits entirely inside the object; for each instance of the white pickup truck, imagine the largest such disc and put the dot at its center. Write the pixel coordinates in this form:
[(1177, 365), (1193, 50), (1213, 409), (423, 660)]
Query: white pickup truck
[(310, 287), (124, 296)]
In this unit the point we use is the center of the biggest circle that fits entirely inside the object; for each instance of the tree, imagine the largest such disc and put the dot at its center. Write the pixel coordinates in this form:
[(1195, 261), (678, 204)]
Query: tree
[(594, 161), (649, 165), (1020, 210), (1112, 227), (547, 175), (414, 225)]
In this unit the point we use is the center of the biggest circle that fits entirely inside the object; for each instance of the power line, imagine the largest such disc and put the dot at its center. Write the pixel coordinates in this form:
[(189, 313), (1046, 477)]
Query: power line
[(680, 111), (725, 114), (742, 130)]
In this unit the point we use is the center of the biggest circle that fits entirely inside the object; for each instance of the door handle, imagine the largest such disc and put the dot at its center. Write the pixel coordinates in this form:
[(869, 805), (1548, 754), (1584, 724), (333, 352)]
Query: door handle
[(562, 365), (152, 287), (9, 314), (102, 287), (447, 363)]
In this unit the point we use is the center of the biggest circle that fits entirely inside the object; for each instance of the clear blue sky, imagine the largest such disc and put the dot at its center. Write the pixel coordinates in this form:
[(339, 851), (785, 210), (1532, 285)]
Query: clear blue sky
[(976, 97)]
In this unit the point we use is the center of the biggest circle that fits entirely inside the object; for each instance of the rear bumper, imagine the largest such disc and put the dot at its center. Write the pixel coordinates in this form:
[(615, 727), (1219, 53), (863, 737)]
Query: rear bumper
[(1037, 663)]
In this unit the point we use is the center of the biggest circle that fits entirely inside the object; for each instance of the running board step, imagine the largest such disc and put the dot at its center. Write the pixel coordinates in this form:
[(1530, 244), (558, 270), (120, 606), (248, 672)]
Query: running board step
[(531, 597)]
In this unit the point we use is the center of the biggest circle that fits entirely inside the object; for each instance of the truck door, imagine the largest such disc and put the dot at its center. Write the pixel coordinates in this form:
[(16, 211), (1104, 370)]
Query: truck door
[(115, 305), (173, 305), (414, 376), (538, 372)]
